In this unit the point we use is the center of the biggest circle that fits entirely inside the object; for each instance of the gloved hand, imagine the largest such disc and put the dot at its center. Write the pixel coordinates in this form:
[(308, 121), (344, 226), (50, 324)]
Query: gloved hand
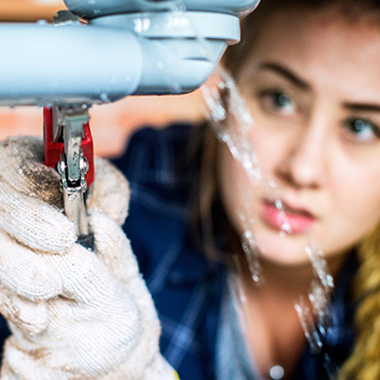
[(73, 313)]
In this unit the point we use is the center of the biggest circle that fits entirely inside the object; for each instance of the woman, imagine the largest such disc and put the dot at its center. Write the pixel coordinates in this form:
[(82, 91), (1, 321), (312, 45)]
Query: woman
[(315, 98), (316, 134), (308, 71), (309, 75)]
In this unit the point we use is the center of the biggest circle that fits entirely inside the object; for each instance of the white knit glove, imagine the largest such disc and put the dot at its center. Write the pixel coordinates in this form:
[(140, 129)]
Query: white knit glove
[(73, 314)]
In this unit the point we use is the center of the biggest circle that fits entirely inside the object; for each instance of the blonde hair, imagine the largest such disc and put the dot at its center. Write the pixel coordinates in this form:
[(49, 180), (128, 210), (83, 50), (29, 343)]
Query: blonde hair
[(364, 361)]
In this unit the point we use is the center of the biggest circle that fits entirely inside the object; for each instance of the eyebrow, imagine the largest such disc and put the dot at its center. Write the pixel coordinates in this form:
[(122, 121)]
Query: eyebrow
[(302, 84), (287, 73), (362, 107)]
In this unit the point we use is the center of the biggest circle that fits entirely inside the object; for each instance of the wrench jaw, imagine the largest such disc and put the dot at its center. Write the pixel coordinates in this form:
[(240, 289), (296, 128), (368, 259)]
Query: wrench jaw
[(69, 149)]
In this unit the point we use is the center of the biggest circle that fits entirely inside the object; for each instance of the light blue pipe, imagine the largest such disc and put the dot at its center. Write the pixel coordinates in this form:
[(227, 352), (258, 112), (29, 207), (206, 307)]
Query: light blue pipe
[(90, 9), (179, 49), (150, 52), (43, 64)]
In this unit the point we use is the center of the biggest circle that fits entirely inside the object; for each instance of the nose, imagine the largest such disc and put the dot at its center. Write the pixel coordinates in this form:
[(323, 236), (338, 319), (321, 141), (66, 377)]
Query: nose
[(303, 164)]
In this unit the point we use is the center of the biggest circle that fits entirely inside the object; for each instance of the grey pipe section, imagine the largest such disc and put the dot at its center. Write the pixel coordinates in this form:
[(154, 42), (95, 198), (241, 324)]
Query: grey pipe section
[(111, 57), (43, 64), (90, 9)]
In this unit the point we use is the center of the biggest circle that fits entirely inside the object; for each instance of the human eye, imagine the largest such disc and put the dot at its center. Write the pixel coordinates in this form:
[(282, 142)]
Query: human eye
[(361, 130), (277, 101)]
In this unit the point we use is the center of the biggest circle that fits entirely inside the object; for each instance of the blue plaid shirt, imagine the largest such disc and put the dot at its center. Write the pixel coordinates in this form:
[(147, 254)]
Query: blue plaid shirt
[(187, 288)]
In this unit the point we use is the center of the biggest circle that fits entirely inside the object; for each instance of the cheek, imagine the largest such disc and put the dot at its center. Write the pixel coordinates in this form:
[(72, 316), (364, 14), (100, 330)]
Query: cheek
[(350, 207), (271, 148), (357, 199)]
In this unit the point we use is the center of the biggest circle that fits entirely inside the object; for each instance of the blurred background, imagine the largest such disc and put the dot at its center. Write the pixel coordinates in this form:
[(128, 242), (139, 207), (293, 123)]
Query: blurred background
[(111, 124)]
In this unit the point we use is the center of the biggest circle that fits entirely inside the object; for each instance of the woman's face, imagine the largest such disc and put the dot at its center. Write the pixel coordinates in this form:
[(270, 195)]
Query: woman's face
[(312, 85)]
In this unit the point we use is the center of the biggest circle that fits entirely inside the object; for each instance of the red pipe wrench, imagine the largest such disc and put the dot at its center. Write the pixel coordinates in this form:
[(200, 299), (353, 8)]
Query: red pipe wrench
[(68, 148)]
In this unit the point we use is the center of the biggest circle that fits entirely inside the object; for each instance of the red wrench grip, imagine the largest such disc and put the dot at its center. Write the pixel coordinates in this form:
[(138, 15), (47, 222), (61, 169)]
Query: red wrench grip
[(53, 149)]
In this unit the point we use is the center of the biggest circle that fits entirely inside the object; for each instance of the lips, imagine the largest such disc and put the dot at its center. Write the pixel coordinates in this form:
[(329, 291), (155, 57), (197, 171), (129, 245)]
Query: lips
[(281, 216)]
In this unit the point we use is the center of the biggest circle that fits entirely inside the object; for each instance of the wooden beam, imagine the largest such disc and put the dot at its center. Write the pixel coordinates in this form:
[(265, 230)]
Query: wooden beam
[(29, 10)]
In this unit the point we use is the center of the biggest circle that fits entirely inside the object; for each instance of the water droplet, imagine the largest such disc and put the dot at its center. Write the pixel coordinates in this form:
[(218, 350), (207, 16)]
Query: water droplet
[(307, 323), (286, 228), (104, 97), (250, 249), (277, 372), (176, 87)]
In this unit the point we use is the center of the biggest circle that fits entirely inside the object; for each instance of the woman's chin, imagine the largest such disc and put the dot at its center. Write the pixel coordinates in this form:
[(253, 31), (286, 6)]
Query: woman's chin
[(282, 248)]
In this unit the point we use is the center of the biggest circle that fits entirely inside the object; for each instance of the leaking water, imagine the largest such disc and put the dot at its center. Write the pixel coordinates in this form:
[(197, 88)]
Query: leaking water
[(251, 250), (104, 97), (313, 313), (232, 122), (41, 22), (224, 101)]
